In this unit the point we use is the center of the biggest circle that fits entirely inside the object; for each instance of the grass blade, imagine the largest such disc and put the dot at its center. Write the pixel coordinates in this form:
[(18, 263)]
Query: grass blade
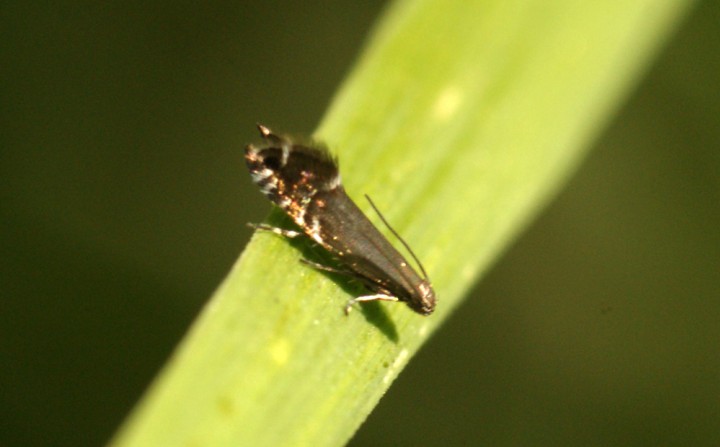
[(460, 120)]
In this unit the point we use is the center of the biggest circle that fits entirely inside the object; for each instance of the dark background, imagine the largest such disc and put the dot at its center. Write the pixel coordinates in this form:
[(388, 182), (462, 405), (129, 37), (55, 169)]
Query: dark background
[(123, 199)]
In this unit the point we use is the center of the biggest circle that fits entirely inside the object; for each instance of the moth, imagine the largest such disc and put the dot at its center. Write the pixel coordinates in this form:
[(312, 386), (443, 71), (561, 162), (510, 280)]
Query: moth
[(304, 181)]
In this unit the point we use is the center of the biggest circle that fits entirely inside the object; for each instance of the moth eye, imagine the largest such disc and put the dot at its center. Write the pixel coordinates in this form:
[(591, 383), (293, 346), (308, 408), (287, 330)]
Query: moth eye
[(272, 162)]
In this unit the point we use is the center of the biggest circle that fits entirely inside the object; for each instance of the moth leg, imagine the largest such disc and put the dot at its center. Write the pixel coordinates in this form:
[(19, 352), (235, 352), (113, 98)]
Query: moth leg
[(326, 268), (376, 297), (280, 231), (351, 302)]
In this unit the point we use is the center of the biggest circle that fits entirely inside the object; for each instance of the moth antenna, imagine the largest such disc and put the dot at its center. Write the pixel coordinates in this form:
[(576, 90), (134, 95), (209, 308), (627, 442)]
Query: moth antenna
[(402, 241)]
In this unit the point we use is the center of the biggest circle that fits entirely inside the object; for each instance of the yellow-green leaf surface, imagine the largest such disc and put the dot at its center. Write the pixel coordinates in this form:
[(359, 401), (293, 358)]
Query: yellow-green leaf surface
[(460, 119)]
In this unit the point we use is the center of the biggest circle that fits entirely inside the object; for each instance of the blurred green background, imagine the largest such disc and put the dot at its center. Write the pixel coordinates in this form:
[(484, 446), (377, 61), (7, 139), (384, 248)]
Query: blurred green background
[(123, 199)]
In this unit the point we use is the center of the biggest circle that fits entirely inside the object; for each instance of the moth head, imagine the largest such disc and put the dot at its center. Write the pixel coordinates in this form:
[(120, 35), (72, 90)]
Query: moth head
[(423, 302)]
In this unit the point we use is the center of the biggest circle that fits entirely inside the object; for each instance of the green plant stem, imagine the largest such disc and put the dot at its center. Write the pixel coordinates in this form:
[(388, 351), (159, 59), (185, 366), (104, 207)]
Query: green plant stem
[(460, 120)]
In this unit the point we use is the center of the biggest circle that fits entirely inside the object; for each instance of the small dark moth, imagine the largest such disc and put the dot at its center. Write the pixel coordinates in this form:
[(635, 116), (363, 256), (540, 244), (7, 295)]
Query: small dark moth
[(304, 182)]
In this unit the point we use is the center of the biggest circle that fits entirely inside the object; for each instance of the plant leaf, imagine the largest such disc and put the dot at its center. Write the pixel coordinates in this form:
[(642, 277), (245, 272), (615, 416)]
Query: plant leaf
[(460, 121)]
